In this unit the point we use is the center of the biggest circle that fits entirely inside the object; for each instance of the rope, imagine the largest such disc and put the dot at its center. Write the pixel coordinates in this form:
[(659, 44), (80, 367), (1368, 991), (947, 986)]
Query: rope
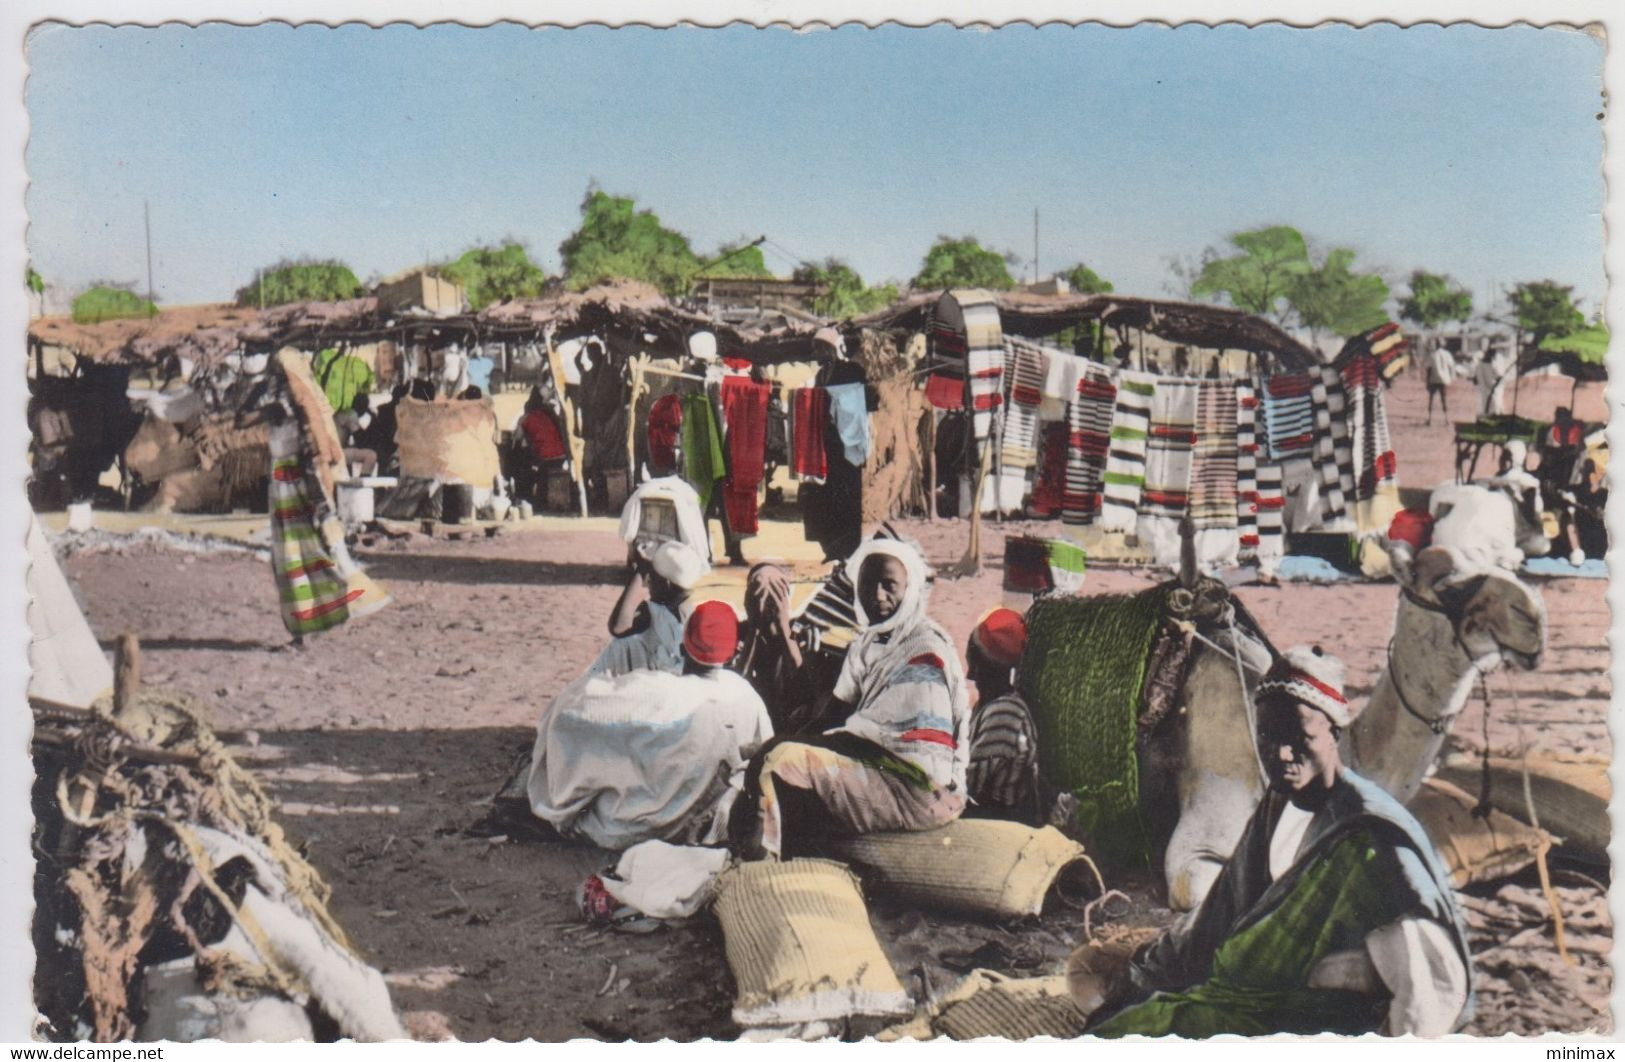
[(1534, 820)]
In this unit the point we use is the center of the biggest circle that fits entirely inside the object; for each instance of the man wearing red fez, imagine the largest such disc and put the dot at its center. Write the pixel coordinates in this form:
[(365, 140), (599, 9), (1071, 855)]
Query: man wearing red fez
[(652, 755), (1003, 774)]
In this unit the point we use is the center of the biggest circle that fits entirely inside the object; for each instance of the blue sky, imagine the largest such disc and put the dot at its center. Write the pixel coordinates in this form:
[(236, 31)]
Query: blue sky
[(1468, 151)]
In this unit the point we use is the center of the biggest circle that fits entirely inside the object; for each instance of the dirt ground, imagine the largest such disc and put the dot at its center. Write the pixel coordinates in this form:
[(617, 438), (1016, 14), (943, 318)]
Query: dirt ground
[(384, 741)]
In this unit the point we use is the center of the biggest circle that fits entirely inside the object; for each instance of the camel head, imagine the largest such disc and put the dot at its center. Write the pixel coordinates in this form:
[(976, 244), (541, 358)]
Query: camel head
[(1495, 616)]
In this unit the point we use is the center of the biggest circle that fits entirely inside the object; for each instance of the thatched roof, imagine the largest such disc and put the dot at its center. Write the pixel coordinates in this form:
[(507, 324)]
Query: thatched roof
[(637, 316), (1198, 324)]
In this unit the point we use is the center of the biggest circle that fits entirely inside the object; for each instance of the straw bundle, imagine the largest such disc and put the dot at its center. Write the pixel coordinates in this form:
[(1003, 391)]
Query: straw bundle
[(983, 865), (452, 441), (799, 943), (1474, 849)]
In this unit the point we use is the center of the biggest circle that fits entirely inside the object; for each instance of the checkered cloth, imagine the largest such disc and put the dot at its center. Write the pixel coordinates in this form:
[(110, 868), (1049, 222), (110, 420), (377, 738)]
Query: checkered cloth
[(1246, 469)]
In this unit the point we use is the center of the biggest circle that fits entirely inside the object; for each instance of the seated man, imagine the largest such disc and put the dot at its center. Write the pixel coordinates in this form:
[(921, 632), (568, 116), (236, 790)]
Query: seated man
[(651, 755), (646, 627), (898, 762), (786, 668), (1002, 777), (1333, 914)]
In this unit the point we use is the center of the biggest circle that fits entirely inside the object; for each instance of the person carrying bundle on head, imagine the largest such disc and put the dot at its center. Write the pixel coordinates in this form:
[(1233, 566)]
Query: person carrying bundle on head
[(646, 626)]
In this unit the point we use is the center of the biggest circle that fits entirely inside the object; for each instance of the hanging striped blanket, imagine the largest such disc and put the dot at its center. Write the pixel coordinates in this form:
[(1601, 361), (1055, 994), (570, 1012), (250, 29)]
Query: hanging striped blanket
[(1088, 440), (1373, 459), (1337, 475), (1246, 469), (1271, 510), (1025, 389), (1213, 464), (1051, 483), (1169, 449), (1387, 345), (1124, 478), (1289, 415)]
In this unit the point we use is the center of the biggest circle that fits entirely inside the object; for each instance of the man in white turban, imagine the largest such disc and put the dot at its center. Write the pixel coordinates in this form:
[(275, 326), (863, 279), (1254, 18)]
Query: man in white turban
[(1332, 915), (646, 626)]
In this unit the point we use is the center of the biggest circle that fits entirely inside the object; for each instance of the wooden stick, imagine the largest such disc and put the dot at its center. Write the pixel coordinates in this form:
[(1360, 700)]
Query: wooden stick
[(931, 465), (126, 673)]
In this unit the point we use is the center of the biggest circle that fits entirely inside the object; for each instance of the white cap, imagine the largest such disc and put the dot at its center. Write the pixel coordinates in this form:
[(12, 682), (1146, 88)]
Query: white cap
[(1311, 677), (703, 346), (678, 564)]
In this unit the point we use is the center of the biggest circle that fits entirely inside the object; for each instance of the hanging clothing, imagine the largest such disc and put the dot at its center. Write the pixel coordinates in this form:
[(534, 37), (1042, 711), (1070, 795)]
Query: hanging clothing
[(645, 756), (602, 405), (665, 433), (849, 406), (744, 407), (1088, 443), (809, 412), (1333, 456), (944, 391), (1026, 389), (541, 430), (1062, 370), (703, 463), (1271, 517), (1373, 462), (1214, 475), (1289, 415), (1169, 456), (1246, 471), (1124, 478), (341, 377), (1051, 482), (318, 583), (1360, 932)]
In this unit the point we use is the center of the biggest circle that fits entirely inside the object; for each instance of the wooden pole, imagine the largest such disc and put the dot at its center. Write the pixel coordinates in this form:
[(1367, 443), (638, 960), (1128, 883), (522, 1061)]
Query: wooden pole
[(126, 673), (931, 464)]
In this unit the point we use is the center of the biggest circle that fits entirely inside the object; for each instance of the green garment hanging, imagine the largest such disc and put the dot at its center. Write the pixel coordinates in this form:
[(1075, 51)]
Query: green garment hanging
[(702, 448)]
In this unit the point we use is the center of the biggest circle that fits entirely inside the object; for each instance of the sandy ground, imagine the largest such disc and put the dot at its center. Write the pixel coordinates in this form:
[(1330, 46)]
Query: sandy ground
[(384, 741)]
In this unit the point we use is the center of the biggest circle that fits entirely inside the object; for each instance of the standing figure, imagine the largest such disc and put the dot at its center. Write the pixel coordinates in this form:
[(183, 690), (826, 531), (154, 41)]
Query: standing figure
[(1441, 370), (833, 512)]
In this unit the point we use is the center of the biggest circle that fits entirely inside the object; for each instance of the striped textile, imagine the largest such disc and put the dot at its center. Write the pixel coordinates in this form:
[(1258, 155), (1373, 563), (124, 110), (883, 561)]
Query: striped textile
[(833, 609), (984, 363), (1374, 463), (1124, 477), (1060, 383), (1088, 440), (1024, 389), (1214, 457), (1342, 452), (1324, 454), (318, 585), (1289, 416), (1246, 469), (1051, 481), (1003, 769), (1168, 455), (1271, 510), (1387, 345)]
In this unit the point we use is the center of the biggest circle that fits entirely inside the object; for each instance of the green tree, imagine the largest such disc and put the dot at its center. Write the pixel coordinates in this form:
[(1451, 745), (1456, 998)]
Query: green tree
[(1334, 298), (496, 274), (1435, 299), (107, 302), (1086, 281), (1546, 308), (615, 239), (845, 294), (737, 259), (305, 280), (963, 263), (1258, 279)]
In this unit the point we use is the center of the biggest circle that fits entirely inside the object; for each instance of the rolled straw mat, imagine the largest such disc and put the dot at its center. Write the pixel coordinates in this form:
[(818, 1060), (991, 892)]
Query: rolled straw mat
[(798, 939), (986, 1003), (983, 865), (1474, 849)]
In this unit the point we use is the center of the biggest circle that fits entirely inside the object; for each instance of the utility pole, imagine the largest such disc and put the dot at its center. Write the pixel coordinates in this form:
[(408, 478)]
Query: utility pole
[(1035, 245), (146, 218)]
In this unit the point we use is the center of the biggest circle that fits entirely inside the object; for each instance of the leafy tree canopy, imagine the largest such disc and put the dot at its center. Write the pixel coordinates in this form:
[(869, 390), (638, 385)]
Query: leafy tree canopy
[(615, 239), (1435, 299), (1258, 279), (737, 259), (107, 302), (963, 263), (306, 280), (845, 294), (496, 274), (1335, 298), (1086, 281), (36, 283), (1546, 308)]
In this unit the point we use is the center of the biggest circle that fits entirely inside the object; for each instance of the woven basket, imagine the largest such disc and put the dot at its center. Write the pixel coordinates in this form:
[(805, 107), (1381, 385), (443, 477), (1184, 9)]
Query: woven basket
[(989, 1004), (983, 865), (799, 943)]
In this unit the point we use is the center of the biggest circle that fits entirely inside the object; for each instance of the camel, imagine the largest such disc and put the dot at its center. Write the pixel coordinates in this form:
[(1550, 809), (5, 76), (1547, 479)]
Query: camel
[(1200, 775)]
